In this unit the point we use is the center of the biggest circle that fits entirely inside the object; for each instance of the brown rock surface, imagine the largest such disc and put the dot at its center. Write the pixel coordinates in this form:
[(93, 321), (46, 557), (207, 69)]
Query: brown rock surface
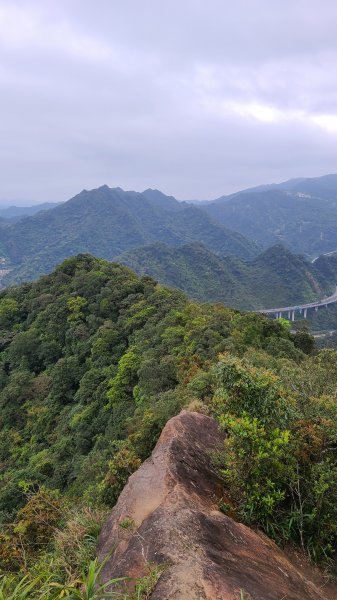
[(171, 504)]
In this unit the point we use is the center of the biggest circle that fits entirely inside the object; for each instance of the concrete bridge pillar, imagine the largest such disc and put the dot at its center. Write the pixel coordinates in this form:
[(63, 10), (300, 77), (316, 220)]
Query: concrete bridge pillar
[(293, 315), (316, 308), (289, 315), (305, 313)]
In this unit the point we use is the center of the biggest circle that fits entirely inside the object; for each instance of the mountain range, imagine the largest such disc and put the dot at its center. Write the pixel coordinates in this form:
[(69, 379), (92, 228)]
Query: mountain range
[(300, 213), (107, 222), (249, 250)]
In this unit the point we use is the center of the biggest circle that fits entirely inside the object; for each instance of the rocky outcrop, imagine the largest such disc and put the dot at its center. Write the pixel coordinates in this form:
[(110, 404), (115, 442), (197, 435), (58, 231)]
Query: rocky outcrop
[(168, 514)]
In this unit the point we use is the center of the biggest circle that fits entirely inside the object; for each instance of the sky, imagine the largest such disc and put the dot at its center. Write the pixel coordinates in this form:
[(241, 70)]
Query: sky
[(195, 98)]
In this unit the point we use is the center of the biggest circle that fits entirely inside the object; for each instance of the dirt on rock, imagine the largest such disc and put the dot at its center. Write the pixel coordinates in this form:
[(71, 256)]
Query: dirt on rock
[(168, 515)]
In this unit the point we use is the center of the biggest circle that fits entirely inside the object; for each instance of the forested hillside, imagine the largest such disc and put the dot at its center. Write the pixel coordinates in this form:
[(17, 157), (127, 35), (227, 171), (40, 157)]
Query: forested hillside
[(95, 360), (107, 222), (275, 278), (302, 214), (90, 354), (194, 269)]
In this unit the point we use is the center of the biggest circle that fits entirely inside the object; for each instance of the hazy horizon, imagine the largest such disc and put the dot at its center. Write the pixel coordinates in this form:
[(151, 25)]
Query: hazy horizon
[(22, 202), (196, 100)]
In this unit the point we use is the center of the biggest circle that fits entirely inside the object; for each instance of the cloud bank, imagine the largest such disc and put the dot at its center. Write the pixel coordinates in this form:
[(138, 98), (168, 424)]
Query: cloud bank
[(197, 99)]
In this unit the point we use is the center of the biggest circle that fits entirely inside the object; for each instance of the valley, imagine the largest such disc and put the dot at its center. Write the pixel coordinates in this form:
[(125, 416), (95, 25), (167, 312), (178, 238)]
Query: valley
[(204, 250)]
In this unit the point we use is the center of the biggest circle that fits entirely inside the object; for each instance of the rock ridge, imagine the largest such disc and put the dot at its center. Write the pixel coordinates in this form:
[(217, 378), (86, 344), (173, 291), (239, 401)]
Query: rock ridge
[(171, 507)]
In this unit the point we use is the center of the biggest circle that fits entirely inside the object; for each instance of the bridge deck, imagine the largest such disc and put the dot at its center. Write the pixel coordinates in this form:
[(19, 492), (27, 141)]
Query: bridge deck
[(318, 303)]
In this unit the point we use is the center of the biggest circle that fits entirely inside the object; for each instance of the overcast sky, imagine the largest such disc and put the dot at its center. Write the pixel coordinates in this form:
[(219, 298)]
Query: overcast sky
[(196, 98)]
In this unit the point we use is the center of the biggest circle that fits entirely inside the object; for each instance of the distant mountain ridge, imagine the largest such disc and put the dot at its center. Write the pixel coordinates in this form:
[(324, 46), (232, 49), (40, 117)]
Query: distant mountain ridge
[(300, 213), (323, 186), (106, 222), (15, 212)]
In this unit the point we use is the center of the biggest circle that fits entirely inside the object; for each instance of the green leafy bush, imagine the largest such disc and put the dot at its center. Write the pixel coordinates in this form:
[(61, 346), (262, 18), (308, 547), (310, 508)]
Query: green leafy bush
[(279, 460)]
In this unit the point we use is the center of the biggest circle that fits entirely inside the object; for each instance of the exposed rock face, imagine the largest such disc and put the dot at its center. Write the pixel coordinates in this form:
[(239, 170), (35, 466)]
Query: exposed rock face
[(171, 507)]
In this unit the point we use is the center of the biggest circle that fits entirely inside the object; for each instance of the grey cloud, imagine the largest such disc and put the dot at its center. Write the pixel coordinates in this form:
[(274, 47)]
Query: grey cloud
[(195, 98)]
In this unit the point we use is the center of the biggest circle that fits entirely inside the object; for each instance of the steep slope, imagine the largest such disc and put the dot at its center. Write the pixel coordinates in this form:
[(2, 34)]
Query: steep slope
[(94, 362), (172, 503), (194, 269), (327, 266), (300, 213), (89, 327), (106, 222), (325, 319), (279, 275), (276, 277)]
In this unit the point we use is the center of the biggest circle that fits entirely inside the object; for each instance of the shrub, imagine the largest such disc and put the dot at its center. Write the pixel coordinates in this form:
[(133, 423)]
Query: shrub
[(240, 388), (257, 465), (123, 464)]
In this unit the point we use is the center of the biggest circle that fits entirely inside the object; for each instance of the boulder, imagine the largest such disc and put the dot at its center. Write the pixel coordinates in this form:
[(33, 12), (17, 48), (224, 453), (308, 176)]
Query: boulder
[(168, 514)]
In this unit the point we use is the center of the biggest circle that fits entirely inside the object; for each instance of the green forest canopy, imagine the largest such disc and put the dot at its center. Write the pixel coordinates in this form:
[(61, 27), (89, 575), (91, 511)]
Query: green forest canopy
[(95, 360)]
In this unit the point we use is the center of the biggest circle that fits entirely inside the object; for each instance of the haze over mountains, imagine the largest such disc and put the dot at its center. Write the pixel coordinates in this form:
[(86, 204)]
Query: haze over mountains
[(300, 213), (320, 187), (106, 222), (17, 212), (228, 250)]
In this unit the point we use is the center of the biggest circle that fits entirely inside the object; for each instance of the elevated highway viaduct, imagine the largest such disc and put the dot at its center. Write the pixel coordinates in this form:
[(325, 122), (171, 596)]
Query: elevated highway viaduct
[(289, 312)]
